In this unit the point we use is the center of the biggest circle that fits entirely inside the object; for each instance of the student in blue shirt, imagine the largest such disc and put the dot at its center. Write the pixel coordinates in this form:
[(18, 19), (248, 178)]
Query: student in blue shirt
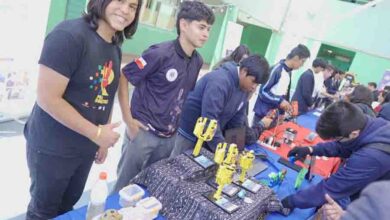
[(276, 92), (220, 95), (364, 143), (163, 76)]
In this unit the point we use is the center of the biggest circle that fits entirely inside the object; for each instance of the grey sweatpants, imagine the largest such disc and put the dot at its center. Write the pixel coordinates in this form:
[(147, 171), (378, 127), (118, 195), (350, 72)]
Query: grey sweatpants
[(137, 154)]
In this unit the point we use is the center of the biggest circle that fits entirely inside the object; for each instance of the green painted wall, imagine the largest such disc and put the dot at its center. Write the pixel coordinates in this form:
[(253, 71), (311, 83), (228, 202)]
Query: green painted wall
[(369, 68), (273, 47), (146, 36), (64, 9), (332, 57), (256, 38), (217, 49), (333, 22), (365, 31), (370, 40), (57, 13), (75, 8)]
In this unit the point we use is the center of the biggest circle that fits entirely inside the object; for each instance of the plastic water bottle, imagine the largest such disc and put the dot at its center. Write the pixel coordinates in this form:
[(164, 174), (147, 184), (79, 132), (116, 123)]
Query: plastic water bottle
[(99, 195)]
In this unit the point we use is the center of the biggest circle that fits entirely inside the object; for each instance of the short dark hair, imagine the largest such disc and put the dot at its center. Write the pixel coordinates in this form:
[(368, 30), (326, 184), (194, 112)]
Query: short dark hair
[(301, 51), (339, 71), (319, 62), (373, 84), (387, 88), (194, 11), (339, 120), (256, 66), (96, 10), (361, 94)]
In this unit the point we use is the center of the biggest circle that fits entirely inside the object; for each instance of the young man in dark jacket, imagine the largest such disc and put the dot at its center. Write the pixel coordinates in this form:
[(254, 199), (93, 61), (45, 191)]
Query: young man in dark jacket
[(305, 87), (220, 95), (276, 92), (363, 141), (163, 76)]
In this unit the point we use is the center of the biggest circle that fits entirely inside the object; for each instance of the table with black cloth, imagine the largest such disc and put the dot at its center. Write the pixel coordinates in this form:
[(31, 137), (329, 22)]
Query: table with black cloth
[(181, 201), (179, 184)]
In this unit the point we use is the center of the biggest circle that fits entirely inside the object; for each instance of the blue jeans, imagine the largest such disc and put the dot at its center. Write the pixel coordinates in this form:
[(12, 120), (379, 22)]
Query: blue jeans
[(137, 154)]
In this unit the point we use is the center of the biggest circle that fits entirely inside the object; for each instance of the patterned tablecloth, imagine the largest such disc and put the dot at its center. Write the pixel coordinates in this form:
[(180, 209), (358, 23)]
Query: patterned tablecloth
[(180, 183)]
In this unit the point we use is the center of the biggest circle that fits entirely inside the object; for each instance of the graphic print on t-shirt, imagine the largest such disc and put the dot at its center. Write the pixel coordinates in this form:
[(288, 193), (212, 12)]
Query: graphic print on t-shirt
[(100, 81)]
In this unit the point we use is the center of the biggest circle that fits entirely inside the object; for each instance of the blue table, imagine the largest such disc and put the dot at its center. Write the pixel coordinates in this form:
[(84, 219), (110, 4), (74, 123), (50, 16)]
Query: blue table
[(112, 202), (287, 187), (308, 120)]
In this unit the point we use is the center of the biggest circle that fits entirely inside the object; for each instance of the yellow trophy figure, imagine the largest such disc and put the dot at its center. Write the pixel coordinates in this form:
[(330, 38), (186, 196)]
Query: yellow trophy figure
[(224, 176), (203, 136), (246, 162), (231, 157), (220, 153)]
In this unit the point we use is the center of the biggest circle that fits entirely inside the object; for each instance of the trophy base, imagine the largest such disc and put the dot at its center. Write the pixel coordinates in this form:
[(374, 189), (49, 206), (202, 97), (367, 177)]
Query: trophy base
[(222, 203), (249, 185), (229, 190), (202, 160)]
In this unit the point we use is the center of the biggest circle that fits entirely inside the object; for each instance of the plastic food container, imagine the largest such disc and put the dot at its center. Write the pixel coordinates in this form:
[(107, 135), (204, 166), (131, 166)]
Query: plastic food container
[(133, 213), (130, 195), (151, 206)]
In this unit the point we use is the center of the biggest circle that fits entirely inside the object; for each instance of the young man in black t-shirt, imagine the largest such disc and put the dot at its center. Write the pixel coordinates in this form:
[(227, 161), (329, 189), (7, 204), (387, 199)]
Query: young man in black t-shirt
[(69, 126), (163, 77)]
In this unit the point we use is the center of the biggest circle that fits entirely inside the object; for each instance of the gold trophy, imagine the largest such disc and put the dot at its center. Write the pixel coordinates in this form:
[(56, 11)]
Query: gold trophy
[(220, 153), (202, 134), (219, 157), (204, 130), (231, 158), (224, 176), (246, 162)]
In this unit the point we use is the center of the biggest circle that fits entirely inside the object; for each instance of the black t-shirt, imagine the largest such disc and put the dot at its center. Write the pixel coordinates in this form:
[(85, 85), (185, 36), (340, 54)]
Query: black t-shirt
[(92, 66)]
